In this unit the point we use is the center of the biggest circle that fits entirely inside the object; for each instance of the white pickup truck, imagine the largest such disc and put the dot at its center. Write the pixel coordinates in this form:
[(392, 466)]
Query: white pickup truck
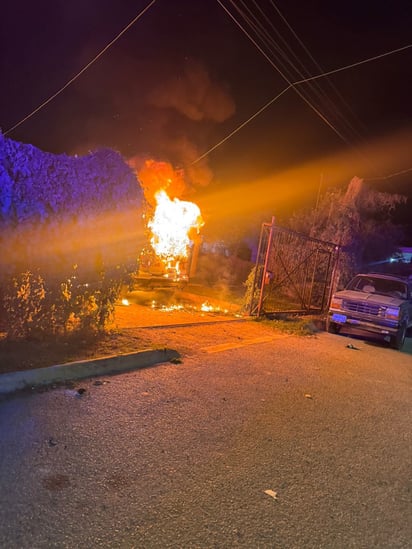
[(374, 302)]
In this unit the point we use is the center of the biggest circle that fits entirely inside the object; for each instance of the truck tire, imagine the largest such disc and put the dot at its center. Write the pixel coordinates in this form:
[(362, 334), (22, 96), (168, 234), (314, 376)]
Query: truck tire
[(332, 327), (398, 340)]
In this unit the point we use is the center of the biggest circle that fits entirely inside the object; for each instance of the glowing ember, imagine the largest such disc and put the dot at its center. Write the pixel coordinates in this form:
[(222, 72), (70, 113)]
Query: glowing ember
[(172, 223), (125, 302), (205, 307)]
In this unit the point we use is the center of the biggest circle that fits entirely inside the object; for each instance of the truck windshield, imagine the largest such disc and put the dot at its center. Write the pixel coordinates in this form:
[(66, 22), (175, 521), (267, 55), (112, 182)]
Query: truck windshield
[(382, 286)]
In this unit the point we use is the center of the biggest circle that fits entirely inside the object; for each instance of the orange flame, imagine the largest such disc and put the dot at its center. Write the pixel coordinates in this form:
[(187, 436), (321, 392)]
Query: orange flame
[(171, 226), (173, 223)]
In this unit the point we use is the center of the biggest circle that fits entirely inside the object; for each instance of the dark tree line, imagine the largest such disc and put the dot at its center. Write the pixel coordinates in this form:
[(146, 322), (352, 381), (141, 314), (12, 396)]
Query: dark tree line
[(360, 219)]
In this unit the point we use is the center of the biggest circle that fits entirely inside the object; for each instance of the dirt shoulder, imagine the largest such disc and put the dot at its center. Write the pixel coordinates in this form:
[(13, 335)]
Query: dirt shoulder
[(136, 328), (182, 322)]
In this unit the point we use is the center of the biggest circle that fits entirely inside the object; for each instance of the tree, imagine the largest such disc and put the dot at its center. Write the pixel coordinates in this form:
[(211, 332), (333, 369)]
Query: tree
[(359, 219)]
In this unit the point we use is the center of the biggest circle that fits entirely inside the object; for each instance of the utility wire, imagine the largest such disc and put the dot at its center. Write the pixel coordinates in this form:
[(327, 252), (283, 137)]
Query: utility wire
[(242, 125), (355, 64), (283, 75), (126, 28), (301, 95), (266, 39), (291, 85), (312, 93), (332, 86), (388, 176), (285, 51), (294, 67)]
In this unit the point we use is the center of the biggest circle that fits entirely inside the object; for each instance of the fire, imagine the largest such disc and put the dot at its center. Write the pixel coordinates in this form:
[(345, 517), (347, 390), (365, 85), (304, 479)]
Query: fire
[(172, 225)]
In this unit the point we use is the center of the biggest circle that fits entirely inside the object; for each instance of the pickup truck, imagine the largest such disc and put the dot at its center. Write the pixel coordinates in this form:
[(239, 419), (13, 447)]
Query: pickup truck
[(376, 303)]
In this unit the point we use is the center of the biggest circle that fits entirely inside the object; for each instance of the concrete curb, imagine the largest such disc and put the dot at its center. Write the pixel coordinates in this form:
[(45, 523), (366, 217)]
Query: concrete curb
[(16, 381)]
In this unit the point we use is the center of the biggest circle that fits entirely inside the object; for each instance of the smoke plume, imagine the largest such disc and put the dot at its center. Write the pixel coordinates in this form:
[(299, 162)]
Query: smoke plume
[(194, 95)]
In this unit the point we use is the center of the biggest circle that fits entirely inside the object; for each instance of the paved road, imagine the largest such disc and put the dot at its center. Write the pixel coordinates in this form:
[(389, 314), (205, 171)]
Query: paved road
[(180, 455)]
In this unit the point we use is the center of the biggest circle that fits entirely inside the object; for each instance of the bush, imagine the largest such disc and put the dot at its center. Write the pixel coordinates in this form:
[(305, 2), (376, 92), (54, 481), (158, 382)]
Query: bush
[(57, 211), (34, 308), (252, 292)]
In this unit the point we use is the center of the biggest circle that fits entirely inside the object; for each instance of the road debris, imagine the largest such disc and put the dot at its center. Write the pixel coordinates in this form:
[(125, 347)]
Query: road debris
[(272, 494), (307, 395), (350, 346)]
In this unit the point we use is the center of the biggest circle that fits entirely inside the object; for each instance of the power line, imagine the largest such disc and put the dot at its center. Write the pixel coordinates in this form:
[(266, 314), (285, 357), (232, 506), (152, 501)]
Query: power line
[(283, 75), (291, 85), (281, 52), (126, 28), (388, 176), (286, 52), (242, 125), (380, 56), (332, 86), (278, 53), (288, 80)]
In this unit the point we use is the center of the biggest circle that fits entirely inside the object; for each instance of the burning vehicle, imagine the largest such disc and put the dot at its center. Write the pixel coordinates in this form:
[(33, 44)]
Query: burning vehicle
[(173, 230), (376, 303)]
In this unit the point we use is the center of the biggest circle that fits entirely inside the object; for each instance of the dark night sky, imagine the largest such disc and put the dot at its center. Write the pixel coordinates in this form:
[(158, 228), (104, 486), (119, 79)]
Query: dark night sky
[(185, 76)]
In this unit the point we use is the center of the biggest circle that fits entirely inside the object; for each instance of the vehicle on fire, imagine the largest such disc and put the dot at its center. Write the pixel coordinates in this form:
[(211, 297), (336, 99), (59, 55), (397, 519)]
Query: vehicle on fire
[(155, 272), (376, 303)]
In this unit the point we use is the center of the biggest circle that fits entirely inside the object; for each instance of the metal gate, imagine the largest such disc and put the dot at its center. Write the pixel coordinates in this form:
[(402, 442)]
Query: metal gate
[(294, 273)]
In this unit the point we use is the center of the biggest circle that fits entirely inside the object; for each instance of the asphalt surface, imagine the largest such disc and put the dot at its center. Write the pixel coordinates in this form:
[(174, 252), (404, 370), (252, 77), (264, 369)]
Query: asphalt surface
[(182, 455)]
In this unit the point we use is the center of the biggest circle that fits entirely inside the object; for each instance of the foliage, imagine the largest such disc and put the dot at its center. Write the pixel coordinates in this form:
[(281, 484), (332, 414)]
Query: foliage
[(23, 304), (251, 297), (359, 220), (59, 213), (57, 210), (34, 308)]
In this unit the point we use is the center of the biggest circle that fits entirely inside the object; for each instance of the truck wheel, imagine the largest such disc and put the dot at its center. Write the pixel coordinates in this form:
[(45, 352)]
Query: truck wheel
[(332, 327), (398, 340)]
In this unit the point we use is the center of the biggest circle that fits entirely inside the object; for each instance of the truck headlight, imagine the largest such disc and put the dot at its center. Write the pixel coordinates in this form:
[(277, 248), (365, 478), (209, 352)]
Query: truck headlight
[(392, 313), (336, 303)]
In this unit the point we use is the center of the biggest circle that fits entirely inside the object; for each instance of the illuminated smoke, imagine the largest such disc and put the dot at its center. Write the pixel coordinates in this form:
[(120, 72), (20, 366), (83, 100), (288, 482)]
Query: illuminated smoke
[(155, 175), (194, 95)]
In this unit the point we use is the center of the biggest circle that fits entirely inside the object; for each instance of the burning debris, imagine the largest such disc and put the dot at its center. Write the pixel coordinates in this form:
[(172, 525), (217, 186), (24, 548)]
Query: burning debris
[(173, 225), (205, 307)]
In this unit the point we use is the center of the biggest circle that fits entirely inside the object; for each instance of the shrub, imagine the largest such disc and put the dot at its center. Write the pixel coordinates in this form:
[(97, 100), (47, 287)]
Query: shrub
[(57, 211), (35, 309), (24, 305), (251, 296)]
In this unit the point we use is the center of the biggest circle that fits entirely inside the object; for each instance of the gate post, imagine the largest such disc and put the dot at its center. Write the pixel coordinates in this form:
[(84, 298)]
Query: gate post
[(265, 268), (255, 276)]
